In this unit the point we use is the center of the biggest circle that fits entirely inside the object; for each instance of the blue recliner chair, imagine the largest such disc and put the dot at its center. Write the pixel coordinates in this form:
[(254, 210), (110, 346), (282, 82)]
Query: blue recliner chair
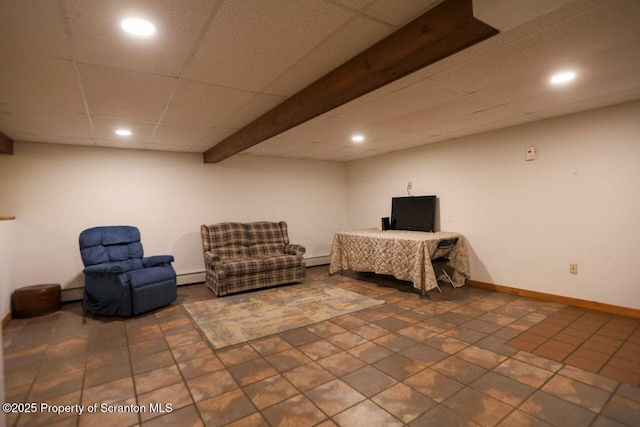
[(119, 281)]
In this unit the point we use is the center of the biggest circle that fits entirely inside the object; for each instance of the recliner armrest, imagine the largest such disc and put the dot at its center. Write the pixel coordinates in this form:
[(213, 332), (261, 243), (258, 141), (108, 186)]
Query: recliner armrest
[(292, 249), (106, 268), (156, 260)]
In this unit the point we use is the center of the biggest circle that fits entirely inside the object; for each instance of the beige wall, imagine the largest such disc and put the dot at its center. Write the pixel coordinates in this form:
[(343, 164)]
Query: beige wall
[(57, 191), (526, 221)]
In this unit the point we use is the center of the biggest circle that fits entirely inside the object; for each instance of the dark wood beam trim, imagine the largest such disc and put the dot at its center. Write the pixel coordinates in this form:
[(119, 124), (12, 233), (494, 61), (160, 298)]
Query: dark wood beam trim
[(6, 144), (442, 31)]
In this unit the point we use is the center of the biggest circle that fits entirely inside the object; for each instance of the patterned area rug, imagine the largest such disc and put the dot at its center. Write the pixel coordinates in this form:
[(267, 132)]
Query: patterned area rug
[(248, 316)]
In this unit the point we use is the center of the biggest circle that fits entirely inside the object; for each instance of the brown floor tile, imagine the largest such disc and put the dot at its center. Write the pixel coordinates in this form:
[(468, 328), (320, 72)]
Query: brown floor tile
[(270, 345), (478, 407), (434, 385), (623, 410), (326, 329), (346, 340), (200, 366), (176, 395), (370, 331), (399, 366), (191, 351), (340, 364), (47, 389), (624, 364), (185, 338), (334, 396), (523, 372), (556, 411), (369, 380), (369, 352), (559, 345), (551, 353), (106, 373), (145, 348), (319, 349), (187, 416), (481, 357), (213, 384), (465, 334), (447, 344), (458, 369), (111, 416), (367, 413), (252, 371), (424, 354), (288, 359), (403, 402), (308, 376), (442, 416), (349, 322), (225, 408), (237, 355), (577, 392), (152, 361), (583, 363), (111, 392), (157, 378), (299, 336), (620, 375), (270, 391), (522, 345), (296, 411), (502, 388)]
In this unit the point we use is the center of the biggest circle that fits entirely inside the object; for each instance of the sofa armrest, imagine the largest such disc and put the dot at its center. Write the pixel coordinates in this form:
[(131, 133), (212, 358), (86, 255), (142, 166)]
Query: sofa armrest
[(156, 260), (298, 250), (212, 259)]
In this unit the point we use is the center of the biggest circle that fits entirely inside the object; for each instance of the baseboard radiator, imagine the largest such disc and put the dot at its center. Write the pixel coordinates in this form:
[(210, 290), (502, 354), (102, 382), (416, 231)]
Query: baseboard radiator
[(75, 294)]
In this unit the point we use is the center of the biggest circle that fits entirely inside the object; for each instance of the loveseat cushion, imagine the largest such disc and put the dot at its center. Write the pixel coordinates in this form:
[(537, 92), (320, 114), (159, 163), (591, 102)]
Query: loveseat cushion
[(267, 232), (263, 249), (231, 252), (228, 233), (238, 267), (278, 262)]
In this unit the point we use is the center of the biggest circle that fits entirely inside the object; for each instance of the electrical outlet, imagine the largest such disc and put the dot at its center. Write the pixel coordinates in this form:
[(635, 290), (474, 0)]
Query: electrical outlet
[(410, 185), (573, 268)]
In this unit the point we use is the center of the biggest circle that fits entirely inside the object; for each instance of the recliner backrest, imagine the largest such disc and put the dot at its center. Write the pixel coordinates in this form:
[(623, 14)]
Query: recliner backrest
[(101, 245)]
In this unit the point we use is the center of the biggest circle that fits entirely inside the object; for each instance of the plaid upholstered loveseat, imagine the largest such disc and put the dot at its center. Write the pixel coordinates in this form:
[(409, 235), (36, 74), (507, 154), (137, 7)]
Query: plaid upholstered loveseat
[(242, 256)]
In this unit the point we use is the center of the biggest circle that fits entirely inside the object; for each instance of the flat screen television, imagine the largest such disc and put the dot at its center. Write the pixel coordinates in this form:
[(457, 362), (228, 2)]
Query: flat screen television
[(413, 213)]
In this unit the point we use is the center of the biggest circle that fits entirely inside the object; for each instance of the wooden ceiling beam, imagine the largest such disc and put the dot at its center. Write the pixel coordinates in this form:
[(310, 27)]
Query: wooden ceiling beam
[(442, 31), (6, 144)]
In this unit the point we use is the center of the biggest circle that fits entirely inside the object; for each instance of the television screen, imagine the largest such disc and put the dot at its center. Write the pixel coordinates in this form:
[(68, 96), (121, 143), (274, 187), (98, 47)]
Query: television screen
[(413, 213)]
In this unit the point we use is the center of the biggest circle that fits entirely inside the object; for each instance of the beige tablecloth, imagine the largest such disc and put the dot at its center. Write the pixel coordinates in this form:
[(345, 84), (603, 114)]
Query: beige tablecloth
[(406, 255)]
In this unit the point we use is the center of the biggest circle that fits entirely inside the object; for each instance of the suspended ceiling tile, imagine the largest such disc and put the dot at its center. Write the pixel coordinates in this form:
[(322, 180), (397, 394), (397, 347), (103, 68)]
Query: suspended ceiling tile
[(580, 90), (99, 39), (66, 140), (204, 104), (121, 144), (254, 108), (34, 27), (273, 147), (20, 136), (588, 67), (575, 37), (185, 135), (419, 142), (105, 128), (168, 147), (353, 4), (592, 103), (350, 40), (320, 129), (120, 93), (370, 132), (388, 10), (20, 118), (310, 149), (214, 136), (39, 81), (272, 35), (410, 99), (468, 121), (455, 108), (393, 139), (499, 124)]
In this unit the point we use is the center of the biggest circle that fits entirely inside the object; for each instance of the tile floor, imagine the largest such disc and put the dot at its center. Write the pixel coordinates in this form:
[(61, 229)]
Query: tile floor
[(439, 360)]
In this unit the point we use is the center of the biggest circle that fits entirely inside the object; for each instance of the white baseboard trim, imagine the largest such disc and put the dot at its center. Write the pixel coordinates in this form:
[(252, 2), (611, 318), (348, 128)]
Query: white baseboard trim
[(76, 294)]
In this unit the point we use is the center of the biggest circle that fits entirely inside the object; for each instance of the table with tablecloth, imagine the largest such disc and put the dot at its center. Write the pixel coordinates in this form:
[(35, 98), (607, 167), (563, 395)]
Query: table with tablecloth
[(406, 255)]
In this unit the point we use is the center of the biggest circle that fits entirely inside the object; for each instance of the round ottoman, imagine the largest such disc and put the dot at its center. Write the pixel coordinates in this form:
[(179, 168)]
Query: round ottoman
[(35, 300)]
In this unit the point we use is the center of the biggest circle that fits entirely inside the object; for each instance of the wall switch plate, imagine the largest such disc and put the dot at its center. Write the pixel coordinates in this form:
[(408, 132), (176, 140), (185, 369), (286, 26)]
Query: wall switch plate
[(573, 268), (530, 153)]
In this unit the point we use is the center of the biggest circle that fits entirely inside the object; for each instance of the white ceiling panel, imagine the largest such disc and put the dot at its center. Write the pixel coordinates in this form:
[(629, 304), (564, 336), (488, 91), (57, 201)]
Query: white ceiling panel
[(70, 75), (408, 100), (39, 82), (388, 10), (235, 52), (34, 27), (346, 43), (455, 108), (580, 91), (204, 104), (553, 46), (128, 94), (99, 40)]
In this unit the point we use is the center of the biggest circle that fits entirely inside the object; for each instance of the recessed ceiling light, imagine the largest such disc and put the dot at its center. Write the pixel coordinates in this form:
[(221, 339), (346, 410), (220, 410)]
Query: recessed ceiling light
[(563, 77), (138, 27), (357, 138), (123, 132)]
